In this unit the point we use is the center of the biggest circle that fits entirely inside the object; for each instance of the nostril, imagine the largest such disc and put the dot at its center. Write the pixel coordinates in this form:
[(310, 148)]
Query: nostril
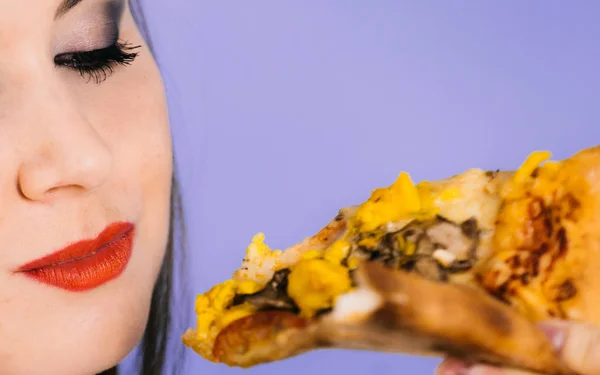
[(43, 186), (65, 189)]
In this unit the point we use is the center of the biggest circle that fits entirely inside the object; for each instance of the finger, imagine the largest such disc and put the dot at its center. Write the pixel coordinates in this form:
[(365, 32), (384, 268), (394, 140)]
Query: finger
[(490, 370), (452, 366), (577, 344)]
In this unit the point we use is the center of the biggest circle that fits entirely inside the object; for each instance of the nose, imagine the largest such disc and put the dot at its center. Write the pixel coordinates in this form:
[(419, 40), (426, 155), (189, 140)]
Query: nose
[(68, 155), (68, 168)]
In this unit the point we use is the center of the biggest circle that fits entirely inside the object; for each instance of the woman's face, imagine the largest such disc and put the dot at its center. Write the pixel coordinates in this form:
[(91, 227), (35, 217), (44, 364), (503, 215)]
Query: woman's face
[(85, 160)]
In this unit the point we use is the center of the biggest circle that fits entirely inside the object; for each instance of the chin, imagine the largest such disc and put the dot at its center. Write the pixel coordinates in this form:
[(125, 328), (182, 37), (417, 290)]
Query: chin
[(120, 334), (84, 333), (120, 324), (84, 338)]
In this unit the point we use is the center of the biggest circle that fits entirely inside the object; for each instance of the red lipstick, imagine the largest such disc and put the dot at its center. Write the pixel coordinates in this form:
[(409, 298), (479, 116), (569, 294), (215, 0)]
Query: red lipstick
[(86, 264)]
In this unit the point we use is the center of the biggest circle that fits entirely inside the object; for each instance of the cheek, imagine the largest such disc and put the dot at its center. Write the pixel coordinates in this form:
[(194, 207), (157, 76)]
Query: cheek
[(132, 110), (143, 168), (131, 113), (154, 167)]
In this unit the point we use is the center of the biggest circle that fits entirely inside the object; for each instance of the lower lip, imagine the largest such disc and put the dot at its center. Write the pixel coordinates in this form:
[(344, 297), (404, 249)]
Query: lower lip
[(87, 264)]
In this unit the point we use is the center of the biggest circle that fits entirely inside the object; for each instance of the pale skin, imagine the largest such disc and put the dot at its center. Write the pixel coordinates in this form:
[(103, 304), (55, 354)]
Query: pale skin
[(75, 156)]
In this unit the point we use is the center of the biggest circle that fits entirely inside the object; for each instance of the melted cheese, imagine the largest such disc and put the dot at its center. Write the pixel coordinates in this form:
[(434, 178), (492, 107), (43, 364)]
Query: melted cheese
[(401, 200), (248, 287), (314, 284), (515, 238), (522, 178), (214, 314), (337, 251), (531, 163)]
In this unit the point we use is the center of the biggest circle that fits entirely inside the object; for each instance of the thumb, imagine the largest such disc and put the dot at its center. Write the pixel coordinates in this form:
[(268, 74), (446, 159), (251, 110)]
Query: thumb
[(577, 344)]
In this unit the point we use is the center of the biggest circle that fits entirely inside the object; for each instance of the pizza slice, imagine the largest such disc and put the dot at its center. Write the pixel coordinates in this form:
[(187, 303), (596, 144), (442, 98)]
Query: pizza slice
[(463, 266)]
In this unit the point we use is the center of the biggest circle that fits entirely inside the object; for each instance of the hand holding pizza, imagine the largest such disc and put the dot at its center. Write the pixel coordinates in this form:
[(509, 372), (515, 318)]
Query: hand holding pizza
[(577, 345)]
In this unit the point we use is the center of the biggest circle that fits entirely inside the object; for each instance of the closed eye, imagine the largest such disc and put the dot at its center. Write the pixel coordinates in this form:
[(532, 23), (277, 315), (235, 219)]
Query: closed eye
[(99, 64)]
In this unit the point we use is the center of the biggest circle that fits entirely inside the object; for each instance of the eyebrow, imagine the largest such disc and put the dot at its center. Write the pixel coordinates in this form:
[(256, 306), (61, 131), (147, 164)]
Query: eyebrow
[(65, 6)]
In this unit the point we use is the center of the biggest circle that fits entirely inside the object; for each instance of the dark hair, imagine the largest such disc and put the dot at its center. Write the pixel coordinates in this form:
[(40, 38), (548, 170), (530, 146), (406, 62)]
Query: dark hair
[(153, 349)]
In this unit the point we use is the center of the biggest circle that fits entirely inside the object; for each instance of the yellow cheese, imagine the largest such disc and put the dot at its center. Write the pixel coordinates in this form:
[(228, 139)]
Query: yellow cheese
[(315, 283), (393, 203), (337, 251)]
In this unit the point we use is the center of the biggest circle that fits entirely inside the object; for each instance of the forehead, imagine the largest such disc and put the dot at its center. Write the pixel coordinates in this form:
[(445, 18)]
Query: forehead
[(20, 20), (10, 9)]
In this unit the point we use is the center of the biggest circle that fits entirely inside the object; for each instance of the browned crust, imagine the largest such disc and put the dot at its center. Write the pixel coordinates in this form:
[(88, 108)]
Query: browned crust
[(581, 264), (328, 234), (417, 316), (263, 337), (551, 252), (428, 318)]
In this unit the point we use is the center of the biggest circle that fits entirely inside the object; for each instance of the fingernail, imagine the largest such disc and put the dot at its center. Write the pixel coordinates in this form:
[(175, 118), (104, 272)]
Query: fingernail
[(453, 367), (556, 334)]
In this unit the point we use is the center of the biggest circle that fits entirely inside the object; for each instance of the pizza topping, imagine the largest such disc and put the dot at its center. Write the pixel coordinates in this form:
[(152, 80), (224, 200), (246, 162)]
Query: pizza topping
[(524, 176), (214, 313), (429, 268), (274, 295), (258, 249), (260, 262), (444, 257), (401, 201), (394, 203), (433, 248), (338, 252), (530, 240), (451, 237), (315, 283), (530, 165), (308, 288), (356, 304)]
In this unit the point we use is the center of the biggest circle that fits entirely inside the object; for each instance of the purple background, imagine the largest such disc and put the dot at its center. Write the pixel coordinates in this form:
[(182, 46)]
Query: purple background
[(284, 112)]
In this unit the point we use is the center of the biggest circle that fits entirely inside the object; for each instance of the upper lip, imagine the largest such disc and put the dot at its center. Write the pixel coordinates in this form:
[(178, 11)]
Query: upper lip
[(81, 249)]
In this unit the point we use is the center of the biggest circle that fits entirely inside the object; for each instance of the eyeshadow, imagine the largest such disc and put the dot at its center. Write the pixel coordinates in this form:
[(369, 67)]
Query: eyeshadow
[(90, 26), (113, 11)]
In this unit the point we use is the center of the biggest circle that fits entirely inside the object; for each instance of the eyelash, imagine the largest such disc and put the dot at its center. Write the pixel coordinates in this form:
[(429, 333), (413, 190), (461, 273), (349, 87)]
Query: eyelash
[(98, 64)]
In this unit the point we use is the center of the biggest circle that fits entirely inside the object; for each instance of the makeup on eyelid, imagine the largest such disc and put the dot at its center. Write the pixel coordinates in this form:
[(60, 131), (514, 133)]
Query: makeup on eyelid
[(92, 43), (96, 29)]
